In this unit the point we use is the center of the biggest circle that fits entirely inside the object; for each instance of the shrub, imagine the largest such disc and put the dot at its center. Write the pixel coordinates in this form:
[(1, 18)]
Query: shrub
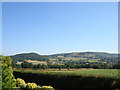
[(20, 82), (7, 73), (38, 87), (23, 86), (31, 85), (47, 88)]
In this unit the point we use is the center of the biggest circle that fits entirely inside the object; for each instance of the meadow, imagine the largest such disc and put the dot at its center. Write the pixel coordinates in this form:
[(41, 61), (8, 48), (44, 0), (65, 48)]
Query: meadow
[(108, 73)]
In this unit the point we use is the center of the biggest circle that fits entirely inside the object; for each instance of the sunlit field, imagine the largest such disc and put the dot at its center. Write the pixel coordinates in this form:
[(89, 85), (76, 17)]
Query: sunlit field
[(111, 73)]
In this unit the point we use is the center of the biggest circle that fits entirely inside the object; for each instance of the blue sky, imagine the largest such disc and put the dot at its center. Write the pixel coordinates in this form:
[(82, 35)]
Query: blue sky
[(48, 28)]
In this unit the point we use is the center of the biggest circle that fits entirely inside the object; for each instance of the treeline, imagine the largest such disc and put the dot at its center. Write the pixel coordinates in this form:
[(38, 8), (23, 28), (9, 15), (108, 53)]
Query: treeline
[(117, 66), (68, 66)]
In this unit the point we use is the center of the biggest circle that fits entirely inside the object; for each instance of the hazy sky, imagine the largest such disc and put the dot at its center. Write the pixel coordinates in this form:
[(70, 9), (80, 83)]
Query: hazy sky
[(47, 28)]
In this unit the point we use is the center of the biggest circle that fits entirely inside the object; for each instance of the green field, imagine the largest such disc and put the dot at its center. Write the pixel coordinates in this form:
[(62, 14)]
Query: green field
[(77, 58), (69, 58), (110, 73), (93, 60)]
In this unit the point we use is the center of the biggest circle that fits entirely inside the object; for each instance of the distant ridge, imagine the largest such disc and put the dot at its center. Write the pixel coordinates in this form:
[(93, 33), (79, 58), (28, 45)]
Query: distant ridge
[(28, 56), (34, 56), (85, 53)]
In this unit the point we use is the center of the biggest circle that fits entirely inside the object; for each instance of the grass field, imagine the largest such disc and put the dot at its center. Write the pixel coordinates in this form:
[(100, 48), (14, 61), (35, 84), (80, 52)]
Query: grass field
[(110, 73), (76, 59), (69, 58), (93, 60)]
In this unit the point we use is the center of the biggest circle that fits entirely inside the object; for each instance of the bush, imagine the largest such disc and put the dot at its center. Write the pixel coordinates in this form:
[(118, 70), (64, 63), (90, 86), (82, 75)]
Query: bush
[(23, 86), (7, 73), (31, 85), (8, 80), (47, 88), (20, 82)]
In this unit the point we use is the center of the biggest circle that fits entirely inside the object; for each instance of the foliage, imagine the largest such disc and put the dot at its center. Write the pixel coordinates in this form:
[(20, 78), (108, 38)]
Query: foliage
[(23, 86), (1, 56), (31, 85), (117, 66), (7, 73), (20, 81), (47, 88), (0, 71), (67, 65), (27, 65)]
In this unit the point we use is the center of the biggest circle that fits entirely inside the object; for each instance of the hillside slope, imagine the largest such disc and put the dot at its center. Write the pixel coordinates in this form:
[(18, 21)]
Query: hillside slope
[(103, 56), (85, 55), (28, 56)]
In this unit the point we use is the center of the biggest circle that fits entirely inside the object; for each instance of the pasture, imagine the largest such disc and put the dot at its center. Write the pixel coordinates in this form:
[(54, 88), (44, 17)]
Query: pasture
[(108, 73)]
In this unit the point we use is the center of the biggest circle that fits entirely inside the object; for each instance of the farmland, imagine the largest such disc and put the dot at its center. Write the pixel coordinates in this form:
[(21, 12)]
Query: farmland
[(112, 73), (96, 60)]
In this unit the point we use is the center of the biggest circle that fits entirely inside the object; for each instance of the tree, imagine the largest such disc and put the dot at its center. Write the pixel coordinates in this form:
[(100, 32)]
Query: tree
[(16, 65), (25, 65), (7, 73), (116, 66), (39, 66), (44, 66)]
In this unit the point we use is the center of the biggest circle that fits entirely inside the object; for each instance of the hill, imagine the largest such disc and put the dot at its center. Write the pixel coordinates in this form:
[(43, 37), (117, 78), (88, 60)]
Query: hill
[(89, 56), (102, 56), (97, 55), (28, 56)]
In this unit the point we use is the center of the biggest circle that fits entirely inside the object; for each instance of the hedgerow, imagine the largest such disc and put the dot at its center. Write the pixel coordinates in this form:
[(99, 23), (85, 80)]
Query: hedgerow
[(62, 81)]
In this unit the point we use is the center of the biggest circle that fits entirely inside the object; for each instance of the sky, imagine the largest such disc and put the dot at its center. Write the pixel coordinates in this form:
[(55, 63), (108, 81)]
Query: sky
[(59, 27)]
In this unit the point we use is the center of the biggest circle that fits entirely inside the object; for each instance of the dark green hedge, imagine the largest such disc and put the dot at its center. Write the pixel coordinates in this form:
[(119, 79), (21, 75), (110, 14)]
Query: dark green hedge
[(69, 81)]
